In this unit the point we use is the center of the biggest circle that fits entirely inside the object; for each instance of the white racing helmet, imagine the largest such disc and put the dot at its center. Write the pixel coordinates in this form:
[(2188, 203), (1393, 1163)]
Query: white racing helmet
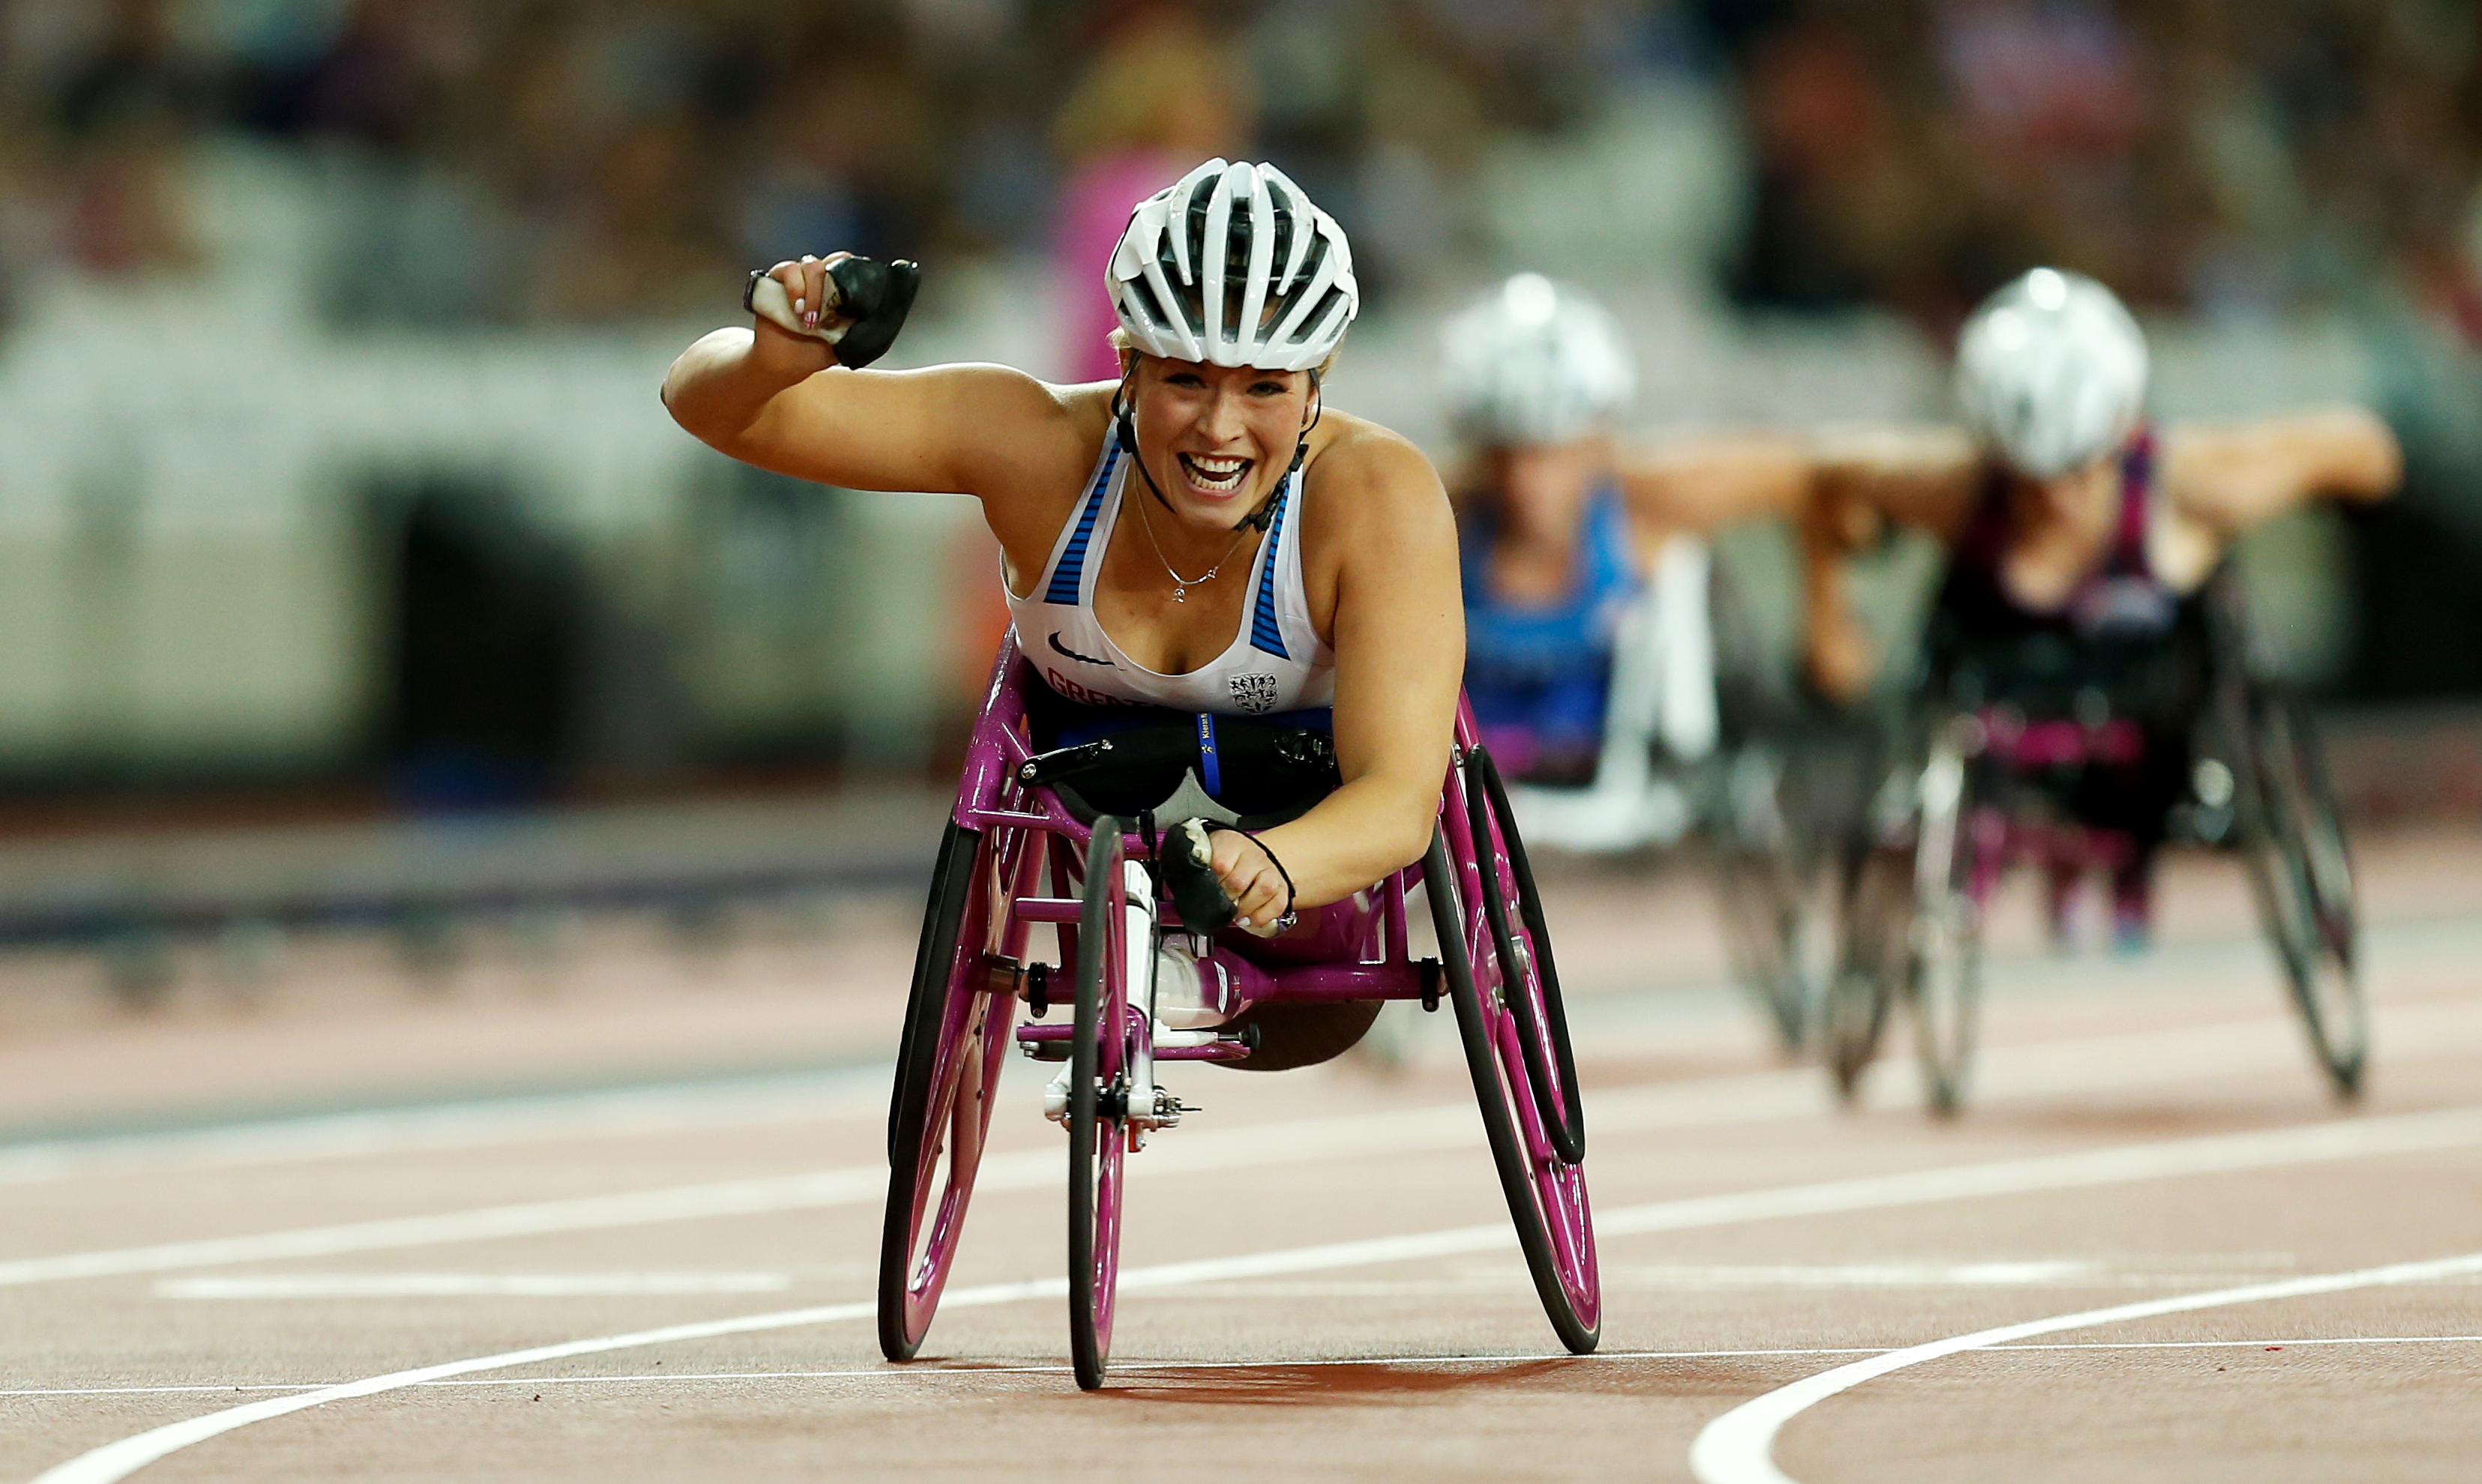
[(2050, 371), (1534, 363), (1232, 265)]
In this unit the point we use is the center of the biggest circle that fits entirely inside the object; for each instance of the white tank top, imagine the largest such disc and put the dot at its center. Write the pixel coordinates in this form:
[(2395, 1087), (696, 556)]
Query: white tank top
[(1276, 662)]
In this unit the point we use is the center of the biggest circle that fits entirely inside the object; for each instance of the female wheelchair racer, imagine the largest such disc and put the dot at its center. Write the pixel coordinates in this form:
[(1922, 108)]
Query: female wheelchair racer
[(1237, 914), (2085, 641), (1607, 657)]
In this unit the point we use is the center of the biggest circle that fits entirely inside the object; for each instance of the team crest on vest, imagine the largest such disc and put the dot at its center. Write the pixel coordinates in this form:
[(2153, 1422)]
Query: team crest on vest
[(1254, 693)]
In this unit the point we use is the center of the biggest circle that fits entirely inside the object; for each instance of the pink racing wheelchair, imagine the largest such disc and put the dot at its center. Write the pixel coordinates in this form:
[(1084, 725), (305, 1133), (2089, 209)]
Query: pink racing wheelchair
[(1024, 848)]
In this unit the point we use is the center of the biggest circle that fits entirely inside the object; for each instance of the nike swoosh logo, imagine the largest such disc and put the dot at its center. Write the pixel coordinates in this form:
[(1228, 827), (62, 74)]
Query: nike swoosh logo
[(1057, 647)]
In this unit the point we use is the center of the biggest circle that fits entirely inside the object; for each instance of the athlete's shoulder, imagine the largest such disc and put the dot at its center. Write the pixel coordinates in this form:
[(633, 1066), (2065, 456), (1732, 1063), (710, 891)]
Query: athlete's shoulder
[(1380, 468)]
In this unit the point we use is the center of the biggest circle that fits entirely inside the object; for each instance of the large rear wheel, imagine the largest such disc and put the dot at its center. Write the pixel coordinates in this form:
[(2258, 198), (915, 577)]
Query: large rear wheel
[(1099, 1092), (1762, 889), (1872, 953), (1505, 1051), (956, 1034), (2303, 877), (1943, 979)]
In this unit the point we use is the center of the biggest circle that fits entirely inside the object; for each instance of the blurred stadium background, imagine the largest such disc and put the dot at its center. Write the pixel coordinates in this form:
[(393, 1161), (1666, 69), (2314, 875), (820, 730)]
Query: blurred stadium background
[(351, 573)]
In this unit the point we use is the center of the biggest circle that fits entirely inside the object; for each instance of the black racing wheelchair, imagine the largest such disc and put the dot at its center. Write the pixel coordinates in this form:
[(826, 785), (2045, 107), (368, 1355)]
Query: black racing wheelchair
[(2085, 754)]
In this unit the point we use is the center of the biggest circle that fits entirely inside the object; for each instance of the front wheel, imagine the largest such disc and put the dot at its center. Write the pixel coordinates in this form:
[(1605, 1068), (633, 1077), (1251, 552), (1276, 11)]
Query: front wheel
[(1546, 1195), (1098, 1091)]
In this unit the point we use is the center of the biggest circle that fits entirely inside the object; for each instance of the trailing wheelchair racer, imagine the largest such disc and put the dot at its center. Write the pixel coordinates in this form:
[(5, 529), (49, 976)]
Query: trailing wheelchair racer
[(1599, 623), (2089, 687)]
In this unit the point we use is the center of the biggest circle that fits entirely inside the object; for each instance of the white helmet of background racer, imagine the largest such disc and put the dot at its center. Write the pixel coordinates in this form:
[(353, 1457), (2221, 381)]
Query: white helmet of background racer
[(1232, 265), (1534, 363), (2050, 371)]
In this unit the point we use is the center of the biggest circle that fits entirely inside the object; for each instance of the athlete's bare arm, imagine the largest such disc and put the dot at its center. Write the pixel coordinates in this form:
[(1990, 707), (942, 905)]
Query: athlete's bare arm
[(777, 400), (1399, 640), (1863, 480), (2230, 476), (1706, 483)]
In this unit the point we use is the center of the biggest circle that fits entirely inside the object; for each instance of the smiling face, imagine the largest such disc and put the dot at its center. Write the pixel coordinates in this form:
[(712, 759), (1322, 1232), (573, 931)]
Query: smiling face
[(1217, 439)]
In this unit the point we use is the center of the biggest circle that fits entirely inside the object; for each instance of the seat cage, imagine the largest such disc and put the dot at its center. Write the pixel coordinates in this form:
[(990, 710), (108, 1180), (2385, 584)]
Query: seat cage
[(1043, 878)]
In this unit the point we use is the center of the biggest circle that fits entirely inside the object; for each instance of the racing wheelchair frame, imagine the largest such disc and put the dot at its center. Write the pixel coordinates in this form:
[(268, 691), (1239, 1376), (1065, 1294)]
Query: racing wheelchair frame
[(1695, 748), (1949, 824), (1015, 856)]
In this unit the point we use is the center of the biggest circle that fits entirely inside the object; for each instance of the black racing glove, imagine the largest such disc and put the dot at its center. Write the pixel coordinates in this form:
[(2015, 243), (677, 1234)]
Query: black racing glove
[(1186, 862), (876, 297)]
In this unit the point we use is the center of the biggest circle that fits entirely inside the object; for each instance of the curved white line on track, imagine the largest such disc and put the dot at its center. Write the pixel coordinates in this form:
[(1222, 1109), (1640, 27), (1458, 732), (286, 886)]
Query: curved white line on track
[(2140, 1059), (2312, 1144), (1739, 1446)]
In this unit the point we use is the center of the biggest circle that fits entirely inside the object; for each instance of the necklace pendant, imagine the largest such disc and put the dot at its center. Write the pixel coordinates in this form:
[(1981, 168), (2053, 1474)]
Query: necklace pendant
[(1180, 594)]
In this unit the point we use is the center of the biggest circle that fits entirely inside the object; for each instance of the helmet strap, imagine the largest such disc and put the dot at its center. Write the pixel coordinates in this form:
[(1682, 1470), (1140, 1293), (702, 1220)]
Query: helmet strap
[(1301, 450)]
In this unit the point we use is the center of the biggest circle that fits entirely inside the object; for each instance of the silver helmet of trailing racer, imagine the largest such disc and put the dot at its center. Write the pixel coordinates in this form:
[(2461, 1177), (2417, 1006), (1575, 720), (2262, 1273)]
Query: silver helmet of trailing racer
[(2050, 373), (1535, 363), (1232, 265)]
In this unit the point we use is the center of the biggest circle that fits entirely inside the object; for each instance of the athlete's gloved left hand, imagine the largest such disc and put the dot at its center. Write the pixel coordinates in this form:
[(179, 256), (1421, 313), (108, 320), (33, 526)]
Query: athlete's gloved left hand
[(1224, 879)]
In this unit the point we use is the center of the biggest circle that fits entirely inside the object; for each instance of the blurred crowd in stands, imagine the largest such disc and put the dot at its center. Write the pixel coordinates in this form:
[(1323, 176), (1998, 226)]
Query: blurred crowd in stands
[(2237, 157), (530, 160)]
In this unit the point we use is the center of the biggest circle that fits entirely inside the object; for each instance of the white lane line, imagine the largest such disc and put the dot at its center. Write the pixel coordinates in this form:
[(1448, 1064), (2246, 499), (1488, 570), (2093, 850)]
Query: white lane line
[(602, 1113), (929, 1371), (1739, 1446), (325, 1286), (761, 1196), (2310, 1144), (2102, 1062), (2128, 1059)]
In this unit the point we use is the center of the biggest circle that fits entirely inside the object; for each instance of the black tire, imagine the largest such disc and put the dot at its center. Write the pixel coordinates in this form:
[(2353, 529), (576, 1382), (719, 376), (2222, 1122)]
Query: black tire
[(951, 878), (1871, 957), (1554, 1080), (909, 1113), (1508, 1151), (2301, 872), (1090, 1118)]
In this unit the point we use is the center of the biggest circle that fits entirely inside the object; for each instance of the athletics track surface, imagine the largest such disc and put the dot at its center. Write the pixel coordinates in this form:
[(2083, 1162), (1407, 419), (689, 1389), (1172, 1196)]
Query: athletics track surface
[(1316, 1281)]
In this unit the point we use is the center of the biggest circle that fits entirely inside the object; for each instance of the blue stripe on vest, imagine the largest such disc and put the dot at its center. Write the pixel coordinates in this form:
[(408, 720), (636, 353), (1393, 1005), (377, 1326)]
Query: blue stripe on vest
[(1264, 634), (1069, 575)]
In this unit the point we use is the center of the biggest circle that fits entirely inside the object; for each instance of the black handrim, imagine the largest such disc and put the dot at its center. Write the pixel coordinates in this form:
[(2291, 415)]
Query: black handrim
[(1508, 1149), (1563, 1112), (1089, 1350), (952, 879)]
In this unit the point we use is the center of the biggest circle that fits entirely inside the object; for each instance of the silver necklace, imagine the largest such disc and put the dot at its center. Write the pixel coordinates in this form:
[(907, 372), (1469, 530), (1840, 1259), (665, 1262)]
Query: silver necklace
[(1182, 585)]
